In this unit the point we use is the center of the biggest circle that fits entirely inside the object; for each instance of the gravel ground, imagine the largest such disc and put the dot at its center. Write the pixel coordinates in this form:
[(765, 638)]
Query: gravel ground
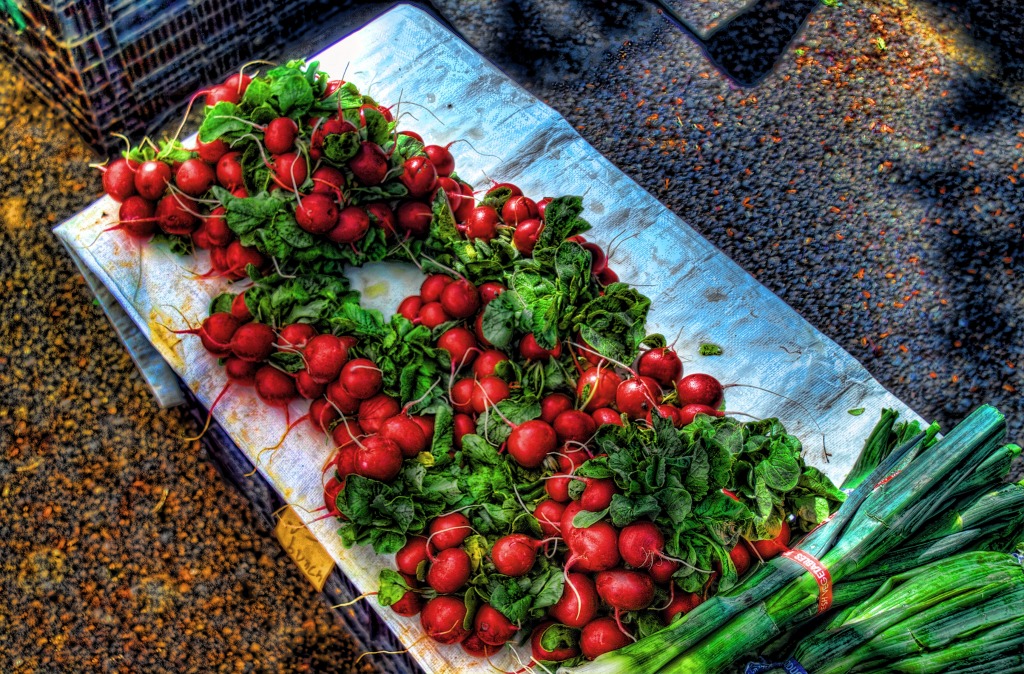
[(871, 181)]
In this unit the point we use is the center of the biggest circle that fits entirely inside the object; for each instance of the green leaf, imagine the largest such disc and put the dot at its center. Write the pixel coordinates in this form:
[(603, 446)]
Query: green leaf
[(625, 510), (493, 427), (340, 147), (377, 130), (587, 518), (257, 93), (291, 94), (392, 587), (222, 303), (561, 221), (502, 318), (708, 349), (856, 412), (223, 119), (557, 637), (496, 198), (546, 588), (288, 361), (511, 600)]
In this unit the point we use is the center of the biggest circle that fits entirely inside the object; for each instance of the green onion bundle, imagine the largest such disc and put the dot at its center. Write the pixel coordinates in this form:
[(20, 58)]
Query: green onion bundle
[(911, 490)]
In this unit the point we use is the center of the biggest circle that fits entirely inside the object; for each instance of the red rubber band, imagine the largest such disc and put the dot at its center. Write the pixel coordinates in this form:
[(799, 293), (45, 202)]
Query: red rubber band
[(820, 574)]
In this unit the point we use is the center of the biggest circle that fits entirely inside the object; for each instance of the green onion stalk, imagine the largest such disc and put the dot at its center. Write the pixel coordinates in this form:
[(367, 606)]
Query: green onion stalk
[(885, 511), (884, 438)]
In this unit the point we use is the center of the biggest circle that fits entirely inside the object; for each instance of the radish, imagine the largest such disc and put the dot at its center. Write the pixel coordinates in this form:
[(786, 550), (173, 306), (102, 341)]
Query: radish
[(740, 557), (460, 299), (492, 627), (322, 414), (217, 229), (229, 171), (526, 235), (253, 342), (346, 434), (700, 389), (597, 494), (606, 415), (406, 433), (433, 286), (662, 365), (329, 127), (773, 547), (625, 590), (541, 654), (279, 136), (341, 398), (412, 558), (681, 604), (361, 378), (553, 405), (317, 213), (549, 515), (119, 179), (369, 165), (531, 350), (466, 204), (487, 392), (449, 571), (442, 619), (441, 158), (237, 83), (378, 458), (512, 189), (410, 307), (426, 424), (240, 371), (409, 605), (325, 355), (307, 387), (514, 555), (353, 223), (574, 426), (596, 388), (461, 396), (601, 636), (211, 152), (220, 94), (152, 178), (136, 217), (274, 388), (460, 345), (598, 260), (542, 206), (490, 291), (328, 180), (432, 314), (687, 413), (176, 214), (195, 177), (482, 223), (238, 257), (478, 649), (332, 488), (636, 396), (419, 176), (530, 443), (663, 569), (449, 531), (607, 277), (462, 425), (414, 218), (579, 601), (486, 363), (289, 170), (216, 333), (374, 411), (557, 487), (594, 548), (518, 209), (295, 335), (670, 412), (382, 215), (411, 134), (641, 543)]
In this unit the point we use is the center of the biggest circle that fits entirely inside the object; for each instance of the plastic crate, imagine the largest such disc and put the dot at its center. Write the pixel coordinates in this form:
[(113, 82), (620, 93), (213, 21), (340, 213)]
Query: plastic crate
[(128, 66)]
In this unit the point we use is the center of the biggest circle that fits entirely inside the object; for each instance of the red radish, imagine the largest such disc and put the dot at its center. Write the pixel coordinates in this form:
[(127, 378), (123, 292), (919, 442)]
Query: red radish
[(274, 388), (325, 355), (216, 333), (414, 218), (361, 378), (322, 414), (553, 405), (332, 86), (239, 192), (572, 457), (531, 350), (478, 649), (597, 494), (662, 365), (492, 627), (607, 277), (410, 307), (419, 176), (442, 619), (433, 286), (353, 223), (462, 396), (119, 179), (341, 398), (220, 94), (530, 443), (478, 329), (670, 412), (641, 544), (378, 458), (426, 424), (432, 314), (700, 389), (460, 344), (740, 557), (449, 571), (253, 342), (487, 392), (374, 411), (346, 434), (195, 177), (370, 164), (211, 152), (542, 206), (412, 555), (307, 387), (328, 180), (518, 209), (594, 548), (411, 134), (441, 158), (229, 171), (575, 426), (526, 235), (405, 433), (681, 604), (488, 361), (329, 127), (598, 260), (239, 257), (663, 569), (409, 605), (331, 491), (466, 205), (590, 354), (175, 213), (596, 388), (514, 555), (449, 531), (637, 396), (773, 547), (606, 415), (279, 136), (317, 213), (541, 654), (578, 603), (237, 83), (296, 335), (687, 413), (557, 487), (289, 170), (489, 291), (482, 223), (217, 229), (200, 237), (382, 215), (136, 217), (152, 178), (513, 190), (625, 590), (460, 299), (600, 636), (463, 425), (549, 515), (240, 371)]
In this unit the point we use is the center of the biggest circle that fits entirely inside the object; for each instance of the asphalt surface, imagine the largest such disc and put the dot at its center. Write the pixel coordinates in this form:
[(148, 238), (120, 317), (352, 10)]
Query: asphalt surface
[(871, 178)]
